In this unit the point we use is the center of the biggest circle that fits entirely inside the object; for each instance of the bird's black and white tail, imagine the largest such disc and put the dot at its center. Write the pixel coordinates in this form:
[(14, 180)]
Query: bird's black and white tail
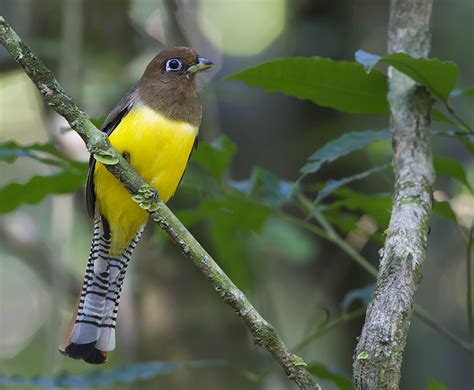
[(91, 333)]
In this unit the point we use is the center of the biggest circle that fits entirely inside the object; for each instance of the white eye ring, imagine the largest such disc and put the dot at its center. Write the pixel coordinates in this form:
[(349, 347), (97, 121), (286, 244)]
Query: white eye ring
[(173, 65)]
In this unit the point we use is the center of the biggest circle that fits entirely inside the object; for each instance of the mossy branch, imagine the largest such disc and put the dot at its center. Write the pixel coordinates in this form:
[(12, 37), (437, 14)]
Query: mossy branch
[(379, 352), (98, 145)]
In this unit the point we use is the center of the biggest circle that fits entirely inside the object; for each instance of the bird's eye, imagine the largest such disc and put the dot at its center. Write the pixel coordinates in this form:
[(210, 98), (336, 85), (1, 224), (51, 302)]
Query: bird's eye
[(173, 65)]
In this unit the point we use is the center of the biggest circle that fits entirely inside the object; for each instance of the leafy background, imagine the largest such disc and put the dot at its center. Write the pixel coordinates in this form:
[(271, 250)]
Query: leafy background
[(290, 191)]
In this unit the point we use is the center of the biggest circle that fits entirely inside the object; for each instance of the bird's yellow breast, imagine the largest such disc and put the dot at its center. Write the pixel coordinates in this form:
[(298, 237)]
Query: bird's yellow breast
[(158, 148)]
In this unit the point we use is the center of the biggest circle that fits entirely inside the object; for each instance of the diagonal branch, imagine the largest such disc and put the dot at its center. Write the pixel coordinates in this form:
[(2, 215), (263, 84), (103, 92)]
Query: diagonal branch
[(98, 144), (379, 352)]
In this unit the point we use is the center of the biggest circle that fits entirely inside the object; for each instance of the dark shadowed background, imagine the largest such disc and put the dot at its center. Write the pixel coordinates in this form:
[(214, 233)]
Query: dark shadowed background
[(98, 50)]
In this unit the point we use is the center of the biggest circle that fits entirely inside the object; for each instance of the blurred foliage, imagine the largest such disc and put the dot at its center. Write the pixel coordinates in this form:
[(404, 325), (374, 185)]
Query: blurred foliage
[(102, 378), (263, 21), (445, 210), (215, 157), (38, 187), (321, 371), (435, 385), (453, 168), (70, 177)]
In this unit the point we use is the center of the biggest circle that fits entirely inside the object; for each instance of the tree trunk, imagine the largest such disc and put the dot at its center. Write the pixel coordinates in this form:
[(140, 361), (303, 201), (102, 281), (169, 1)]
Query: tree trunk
[(379, 352)]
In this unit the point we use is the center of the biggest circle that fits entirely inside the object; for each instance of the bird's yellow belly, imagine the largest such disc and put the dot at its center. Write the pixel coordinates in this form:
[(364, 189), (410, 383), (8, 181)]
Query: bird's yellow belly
[(158, 148)]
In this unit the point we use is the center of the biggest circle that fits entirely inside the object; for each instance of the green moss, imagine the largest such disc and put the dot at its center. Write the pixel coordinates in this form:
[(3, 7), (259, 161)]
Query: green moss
[(297, 361), (106, 158), (362, 355)]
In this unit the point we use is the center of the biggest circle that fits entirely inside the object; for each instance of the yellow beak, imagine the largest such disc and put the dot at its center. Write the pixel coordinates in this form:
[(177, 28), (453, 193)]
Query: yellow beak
[(202, 64)]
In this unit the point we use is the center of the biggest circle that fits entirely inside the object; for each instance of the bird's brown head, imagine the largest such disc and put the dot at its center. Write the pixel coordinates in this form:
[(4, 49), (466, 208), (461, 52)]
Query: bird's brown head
[(175, 64), (169, 83)]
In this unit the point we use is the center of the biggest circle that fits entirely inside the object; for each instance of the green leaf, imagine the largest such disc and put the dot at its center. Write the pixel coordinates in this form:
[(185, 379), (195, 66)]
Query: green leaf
[(48, 154), (345, 144), (266, 187), (444, 210), (99, 121), (344, 221), (333, 185), (322, 372), (70, 178), (290, 243), (233, 219), (435, 385), (230, 220), (245, 213), (348, 220), (439, 77), (216, 156), (341, 85), (228, 244), (453, 168), (102, 378), (377, 206), (468, 141), (38, 187)]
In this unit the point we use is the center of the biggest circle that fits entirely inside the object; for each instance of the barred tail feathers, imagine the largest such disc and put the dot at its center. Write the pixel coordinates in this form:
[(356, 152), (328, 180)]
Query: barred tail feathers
[(117, 267), (92, 333)]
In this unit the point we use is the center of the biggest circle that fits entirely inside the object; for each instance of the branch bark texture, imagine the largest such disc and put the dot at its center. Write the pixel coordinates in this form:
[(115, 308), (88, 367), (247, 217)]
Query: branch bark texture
[(379, 352), (98, 144)]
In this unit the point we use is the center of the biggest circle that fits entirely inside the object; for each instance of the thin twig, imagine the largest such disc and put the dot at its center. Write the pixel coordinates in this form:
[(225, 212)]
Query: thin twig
[(464, 125), (98, 144), (423, 315), (333, 236), (322, 330)]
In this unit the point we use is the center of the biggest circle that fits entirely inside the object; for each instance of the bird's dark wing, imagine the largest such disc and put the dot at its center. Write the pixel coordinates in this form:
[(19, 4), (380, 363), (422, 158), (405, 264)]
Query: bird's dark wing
[(111, 122)]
